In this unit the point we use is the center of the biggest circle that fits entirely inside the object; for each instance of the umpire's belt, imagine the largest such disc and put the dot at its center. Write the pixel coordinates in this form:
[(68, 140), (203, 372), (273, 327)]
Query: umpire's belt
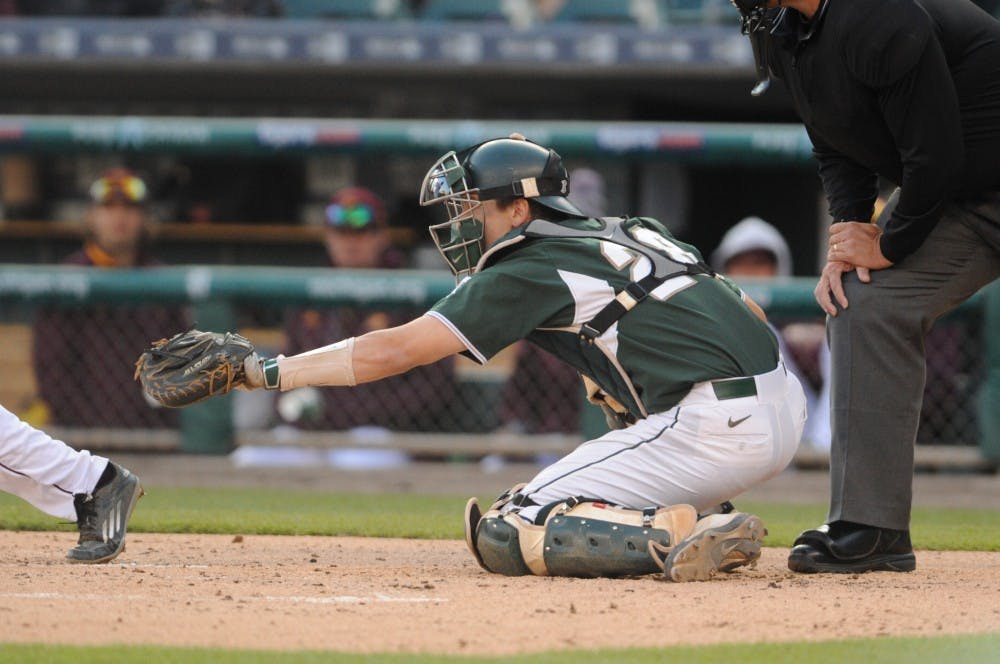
[(767, 385)]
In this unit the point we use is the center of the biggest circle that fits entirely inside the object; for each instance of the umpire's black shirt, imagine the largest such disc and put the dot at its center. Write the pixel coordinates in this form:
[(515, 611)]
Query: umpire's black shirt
[(905, 89)]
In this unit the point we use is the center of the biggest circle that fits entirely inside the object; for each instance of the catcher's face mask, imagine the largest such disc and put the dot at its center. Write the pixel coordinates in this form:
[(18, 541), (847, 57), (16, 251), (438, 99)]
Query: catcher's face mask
[(756, 23), (460, 239)]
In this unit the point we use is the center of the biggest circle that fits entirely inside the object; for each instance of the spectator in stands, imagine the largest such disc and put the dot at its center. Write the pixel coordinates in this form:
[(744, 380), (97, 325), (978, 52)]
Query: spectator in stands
[(546, 9), (84, 367), (357, 237), (543, 394), (756, 249)]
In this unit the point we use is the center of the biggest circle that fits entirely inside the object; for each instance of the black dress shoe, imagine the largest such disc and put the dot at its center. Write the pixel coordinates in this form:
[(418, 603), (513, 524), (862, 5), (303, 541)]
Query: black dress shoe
[(846, 547)]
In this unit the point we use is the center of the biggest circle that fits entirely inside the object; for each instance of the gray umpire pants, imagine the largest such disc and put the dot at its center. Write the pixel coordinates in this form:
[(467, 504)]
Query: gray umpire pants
[(878, 361)]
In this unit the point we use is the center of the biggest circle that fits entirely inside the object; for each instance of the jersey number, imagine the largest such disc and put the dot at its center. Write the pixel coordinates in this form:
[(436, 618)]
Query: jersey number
[(622, 257)]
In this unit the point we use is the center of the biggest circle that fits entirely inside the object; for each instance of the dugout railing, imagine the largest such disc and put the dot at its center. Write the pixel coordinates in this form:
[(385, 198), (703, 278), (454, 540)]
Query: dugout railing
[(252, 299), (693, 142)]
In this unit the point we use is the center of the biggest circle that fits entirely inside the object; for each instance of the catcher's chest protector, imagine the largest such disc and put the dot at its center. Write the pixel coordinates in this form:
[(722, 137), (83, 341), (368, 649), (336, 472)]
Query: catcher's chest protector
[(664, 269)]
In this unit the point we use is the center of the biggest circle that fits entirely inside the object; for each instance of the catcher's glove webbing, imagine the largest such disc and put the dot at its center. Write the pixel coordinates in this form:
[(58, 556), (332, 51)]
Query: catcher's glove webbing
[(192, 366)]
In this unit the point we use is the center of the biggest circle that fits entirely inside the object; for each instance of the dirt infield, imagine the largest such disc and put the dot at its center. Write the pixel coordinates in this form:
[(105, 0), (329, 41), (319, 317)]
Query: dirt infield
[(382, 595)]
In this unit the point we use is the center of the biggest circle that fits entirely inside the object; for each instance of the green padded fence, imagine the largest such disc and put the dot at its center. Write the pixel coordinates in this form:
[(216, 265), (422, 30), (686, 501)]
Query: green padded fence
[(214, 292)]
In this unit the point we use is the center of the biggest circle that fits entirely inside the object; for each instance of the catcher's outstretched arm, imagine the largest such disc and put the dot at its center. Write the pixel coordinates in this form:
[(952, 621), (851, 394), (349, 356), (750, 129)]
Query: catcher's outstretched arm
[(367, 358), (394, 350)]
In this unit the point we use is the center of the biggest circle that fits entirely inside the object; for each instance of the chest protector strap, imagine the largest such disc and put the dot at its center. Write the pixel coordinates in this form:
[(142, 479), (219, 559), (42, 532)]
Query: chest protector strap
[(664, 269)]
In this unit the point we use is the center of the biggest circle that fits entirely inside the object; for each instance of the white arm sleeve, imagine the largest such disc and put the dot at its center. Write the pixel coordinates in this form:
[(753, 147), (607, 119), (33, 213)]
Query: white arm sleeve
[(331, 365)]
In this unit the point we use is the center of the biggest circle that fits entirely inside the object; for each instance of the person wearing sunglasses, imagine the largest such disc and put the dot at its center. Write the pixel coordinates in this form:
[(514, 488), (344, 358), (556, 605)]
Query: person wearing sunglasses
[(116, 220), (356, 236), (81, 388), (356, 232)]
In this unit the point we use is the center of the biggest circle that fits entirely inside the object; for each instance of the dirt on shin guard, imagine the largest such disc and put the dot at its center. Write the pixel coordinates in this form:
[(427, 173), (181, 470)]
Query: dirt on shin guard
[(499, 546), (590, 548)]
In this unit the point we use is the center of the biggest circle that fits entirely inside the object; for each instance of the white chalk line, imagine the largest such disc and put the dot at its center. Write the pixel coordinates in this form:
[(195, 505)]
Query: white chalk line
[(349, 599), (377, 598), (120, 565)]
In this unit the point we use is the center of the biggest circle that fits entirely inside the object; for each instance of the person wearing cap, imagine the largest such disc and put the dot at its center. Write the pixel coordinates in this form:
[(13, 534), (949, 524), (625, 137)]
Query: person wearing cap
[(680, 358), (356, 236), (755, 249), (81, 386)]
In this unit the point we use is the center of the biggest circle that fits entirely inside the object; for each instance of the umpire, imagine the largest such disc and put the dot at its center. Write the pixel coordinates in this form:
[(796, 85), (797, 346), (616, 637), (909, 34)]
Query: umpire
[(908, 90)]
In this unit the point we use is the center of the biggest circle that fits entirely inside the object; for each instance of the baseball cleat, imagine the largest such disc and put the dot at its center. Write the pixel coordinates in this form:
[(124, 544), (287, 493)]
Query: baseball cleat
[(719, 543), (848, 548), (102, 518)]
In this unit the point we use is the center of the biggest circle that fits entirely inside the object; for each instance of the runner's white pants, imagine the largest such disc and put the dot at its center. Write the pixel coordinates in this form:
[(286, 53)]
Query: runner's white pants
[(42, 470), (701, 452)]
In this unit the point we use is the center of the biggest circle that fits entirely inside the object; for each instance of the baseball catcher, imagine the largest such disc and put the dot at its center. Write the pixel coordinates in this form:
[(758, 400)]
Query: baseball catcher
[(680, 359)]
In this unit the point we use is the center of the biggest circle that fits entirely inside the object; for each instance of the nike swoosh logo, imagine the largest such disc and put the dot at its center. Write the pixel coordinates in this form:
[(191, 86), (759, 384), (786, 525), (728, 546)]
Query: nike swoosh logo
[(739, 421)]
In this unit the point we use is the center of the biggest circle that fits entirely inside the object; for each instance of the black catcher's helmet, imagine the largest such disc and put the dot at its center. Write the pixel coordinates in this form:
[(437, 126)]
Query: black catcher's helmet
[(495, 169)]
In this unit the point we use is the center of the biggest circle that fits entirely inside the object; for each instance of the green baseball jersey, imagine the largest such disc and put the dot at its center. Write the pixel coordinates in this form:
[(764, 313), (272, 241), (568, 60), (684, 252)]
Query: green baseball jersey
[(690, 329)]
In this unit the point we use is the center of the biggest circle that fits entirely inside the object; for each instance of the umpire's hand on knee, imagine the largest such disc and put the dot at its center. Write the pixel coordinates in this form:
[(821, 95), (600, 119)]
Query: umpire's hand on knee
[(831, 282), (859, 244)]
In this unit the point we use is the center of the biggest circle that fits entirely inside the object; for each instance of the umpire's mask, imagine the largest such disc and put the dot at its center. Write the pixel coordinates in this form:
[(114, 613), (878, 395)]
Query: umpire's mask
[(756, 22)]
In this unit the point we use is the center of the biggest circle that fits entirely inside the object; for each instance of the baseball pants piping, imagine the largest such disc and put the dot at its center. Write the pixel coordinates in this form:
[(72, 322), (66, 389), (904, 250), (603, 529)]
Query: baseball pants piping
[(701, 452), (42, 470)]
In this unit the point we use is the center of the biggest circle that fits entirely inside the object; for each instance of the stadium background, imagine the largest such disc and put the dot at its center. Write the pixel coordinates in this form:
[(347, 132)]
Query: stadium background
[(259, 110)]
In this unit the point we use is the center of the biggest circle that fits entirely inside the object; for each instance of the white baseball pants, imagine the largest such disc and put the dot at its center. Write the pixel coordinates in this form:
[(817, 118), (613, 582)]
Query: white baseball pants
[(702, 452), (42, 470)]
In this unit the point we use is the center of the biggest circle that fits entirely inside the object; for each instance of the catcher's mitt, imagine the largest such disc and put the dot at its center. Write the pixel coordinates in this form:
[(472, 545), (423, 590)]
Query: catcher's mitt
[(192, 366)]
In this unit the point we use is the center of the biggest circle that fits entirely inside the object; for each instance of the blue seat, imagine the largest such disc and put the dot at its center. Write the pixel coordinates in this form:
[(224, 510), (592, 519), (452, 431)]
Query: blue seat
[(645, 13), (699, 11), (346, 9), (514, 12)]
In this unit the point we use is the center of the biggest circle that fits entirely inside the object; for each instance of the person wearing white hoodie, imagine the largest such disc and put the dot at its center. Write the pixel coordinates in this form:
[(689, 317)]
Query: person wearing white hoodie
[(754, 248)]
